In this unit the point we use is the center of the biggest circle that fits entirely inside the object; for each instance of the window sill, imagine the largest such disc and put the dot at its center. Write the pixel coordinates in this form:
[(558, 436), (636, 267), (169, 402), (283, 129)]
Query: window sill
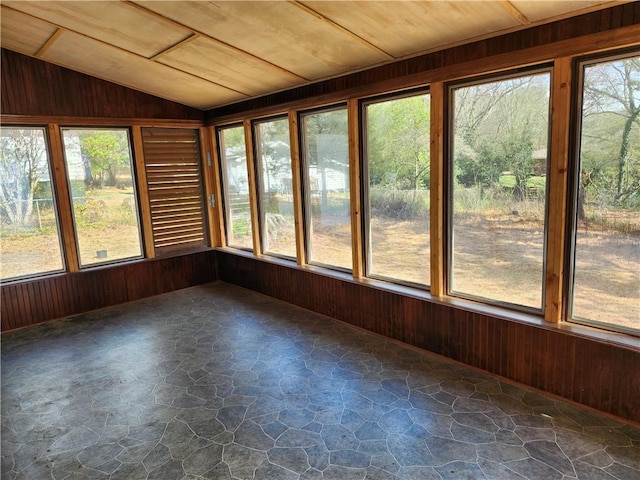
[(621, 339)]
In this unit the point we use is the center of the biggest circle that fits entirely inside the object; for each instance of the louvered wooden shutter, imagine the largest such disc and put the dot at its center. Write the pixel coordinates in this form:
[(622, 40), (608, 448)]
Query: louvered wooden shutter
[(172, 164)]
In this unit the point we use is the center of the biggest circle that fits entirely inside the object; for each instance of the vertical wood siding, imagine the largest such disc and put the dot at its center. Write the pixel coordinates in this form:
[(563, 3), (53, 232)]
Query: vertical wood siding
[(35, 301), (34, 87)]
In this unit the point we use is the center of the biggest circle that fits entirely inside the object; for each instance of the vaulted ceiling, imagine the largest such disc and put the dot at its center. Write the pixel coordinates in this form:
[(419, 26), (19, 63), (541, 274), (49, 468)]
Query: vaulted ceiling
[(207, 54)]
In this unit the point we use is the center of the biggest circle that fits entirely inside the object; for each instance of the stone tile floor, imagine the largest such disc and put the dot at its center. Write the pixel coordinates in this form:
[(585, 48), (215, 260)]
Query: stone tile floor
[(216, 382)]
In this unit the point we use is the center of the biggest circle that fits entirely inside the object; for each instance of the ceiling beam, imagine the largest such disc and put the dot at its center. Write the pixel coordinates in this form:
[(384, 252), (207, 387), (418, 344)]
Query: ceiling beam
[(175, 46), (514, 12), (47, 45)]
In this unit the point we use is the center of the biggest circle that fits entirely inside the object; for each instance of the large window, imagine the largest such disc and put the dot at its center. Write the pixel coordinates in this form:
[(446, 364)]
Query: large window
[(102, 187), (233, 159), (499, 149), (273, 159), (29, 237), (325, 149), (397, 188), (606, 263)]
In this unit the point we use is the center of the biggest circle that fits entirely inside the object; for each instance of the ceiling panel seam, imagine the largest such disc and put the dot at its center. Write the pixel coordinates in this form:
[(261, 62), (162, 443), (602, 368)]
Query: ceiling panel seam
[(52, 39), (515, 12), (218, 41), (339, 27)]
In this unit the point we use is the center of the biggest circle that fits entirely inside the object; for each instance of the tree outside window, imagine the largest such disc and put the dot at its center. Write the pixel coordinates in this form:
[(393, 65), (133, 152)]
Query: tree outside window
[(29, 236)]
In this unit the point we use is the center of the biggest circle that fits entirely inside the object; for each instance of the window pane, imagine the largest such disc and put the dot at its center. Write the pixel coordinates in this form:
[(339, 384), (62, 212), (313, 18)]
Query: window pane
[(233, 158), (397, 156), (29, 238), (326, 155), (606, 285), (498, 181), (102, 194), (276, 196)]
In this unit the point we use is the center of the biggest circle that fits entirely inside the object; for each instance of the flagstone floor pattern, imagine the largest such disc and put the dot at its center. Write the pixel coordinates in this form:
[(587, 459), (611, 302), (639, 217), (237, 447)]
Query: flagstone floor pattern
[(216, 382)]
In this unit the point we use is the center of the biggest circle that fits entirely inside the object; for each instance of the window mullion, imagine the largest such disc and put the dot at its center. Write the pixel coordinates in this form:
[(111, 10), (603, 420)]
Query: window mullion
[(437, 211), (65, 209), (558, 168), (213, 175), (296, 186), (143, 192), (253, 188), (355, 185)]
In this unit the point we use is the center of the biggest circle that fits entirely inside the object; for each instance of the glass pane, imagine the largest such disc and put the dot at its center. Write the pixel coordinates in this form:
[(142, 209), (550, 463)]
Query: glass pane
[(397, 155), (326, 154), (606, 284), (236, 183), (276, 196), (29, 238), (99, 170), (499, 150)]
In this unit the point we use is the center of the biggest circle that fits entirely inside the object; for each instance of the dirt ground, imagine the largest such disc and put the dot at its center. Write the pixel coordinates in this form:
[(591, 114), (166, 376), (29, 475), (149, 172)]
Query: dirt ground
[(500, 260), (120, 241), (503, 260)]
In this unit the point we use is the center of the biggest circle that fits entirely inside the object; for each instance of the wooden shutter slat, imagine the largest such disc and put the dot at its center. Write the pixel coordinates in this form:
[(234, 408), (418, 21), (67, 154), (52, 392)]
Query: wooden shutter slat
[(174, 184)]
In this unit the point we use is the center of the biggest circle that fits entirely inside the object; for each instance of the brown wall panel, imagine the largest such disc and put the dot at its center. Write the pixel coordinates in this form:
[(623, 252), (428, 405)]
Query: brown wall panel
[(585, 370), (35, 301), (36, 88)]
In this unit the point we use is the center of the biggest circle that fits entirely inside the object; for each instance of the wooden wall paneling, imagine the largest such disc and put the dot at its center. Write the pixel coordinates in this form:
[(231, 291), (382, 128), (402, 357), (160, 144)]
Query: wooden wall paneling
[(437, 176), (253, 187), (38, 300), (557, 188), (353, 120), (63, 199), (36, 88), (296, 185), (6, 321), (143, 192)]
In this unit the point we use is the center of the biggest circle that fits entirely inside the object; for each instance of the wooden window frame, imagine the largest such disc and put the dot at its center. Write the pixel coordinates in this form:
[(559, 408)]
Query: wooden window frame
[(561, 57), (305, 188), (364, 206), (571, 187), (448, 181)]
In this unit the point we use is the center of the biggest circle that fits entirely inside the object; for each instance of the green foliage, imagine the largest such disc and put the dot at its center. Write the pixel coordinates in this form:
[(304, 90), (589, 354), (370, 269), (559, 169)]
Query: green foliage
[(241, 228), (105, 151), (398, 143)]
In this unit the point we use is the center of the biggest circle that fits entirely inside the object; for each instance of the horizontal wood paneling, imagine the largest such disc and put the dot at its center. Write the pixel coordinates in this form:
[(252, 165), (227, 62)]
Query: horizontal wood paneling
[(598, 374), (36, 88), (619, 16), (30, 302)]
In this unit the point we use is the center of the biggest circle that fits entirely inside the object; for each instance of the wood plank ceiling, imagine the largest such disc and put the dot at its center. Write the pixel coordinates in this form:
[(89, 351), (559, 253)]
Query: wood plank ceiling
[(207, 54)]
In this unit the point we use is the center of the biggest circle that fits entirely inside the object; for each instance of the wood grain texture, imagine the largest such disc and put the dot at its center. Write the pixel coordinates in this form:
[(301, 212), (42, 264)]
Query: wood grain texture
[(39, 300), (558, 190), (542, 43), (37, 88), (585, 370), (136, 30)]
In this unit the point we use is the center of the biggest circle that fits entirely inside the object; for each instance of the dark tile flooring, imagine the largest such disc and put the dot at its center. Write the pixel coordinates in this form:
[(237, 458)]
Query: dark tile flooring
[(216, 382)]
